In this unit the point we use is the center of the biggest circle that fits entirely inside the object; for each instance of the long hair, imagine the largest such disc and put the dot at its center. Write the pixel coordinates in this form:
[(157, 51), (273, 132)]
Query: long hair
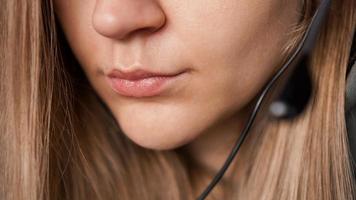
[(59, 141)]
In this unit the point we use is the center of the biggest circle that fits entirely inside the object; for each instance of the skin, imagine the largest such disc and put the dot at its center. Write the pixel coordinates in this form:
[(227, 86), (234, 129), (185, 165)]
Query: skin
[(231, 48)]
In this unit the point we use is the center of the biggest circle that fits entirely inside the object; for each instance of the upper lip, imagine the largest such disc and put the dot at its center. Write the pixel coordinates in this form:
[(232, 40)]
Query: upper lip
[(137, 74)]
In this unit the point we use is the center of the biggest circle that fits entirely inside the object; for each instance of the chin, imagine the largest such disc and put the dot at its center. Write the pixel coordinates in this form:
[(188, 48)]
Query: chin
[(158, 141), (157, 138), (158, 144), (161, 126)]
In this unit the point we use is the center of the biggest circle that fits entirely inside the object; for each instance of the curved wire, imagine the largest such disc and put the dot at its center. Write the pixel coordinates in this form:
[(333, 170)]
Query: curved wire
[(303, 49)]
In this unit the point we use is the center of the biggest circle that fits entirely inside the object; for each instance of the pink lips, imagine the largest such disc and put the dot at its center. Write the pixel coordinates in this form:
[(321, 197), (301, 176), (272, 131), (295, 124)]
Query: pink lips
[(139, 83)]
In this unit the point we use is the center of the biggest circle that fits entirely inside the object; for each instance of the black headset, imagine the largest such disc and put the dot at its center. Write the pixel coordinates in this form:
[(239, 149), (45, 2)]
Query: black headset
[(286, 96)]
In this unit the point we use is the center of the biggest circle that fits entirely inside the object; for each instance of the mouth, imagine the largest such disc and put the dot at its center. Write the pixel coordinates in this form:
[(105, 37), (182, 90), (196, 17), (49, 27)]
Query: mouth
[(140, 83)]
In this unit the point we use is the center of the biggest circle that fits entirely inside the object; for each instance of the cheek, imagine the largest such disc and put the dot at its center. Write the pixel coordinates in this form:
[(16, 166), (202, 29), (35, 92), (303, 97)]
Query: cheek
[(233, 58), (76, 22)]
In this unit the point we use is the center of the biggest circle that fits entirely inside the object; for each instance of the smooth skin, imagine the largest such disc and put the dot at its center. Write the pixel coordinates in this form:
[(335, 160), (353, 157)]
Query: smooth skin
[(231, 48)]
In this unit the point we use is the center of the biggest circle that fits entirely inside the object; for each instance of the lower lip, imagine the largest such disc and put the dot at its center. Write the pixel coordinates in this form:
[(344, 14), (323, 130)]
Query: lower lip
[(146, 87)]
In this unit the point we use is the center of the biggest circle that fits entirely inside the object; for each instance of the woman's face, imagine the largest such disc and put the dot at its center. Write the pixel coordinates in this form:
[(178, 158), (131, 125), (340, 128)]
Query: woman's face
[(227, 48)]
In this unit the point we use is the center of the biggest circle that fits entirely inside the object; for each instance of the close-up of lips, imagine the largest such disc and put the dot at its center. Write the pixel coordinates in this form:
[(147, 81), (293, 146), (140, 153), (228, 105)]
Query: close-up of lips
[(177, 100), (140, 83)]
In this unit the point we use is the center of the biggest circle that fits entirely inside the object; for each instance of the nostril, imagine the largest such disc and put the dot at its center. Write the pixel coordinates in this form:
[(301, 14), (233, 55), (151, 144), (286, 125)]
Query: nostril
[(146, 30)]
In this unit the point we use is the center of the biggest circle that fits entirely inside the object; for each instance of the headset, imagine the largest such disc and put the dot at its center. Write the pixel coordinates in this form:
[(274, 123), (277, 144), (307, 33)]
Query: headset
[(282, 98)]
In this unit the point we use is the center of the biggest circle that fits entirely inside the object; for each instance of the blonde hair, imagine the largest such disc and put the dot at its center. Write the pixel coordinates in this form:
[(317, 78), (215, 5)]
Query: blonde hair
[(59, 141)]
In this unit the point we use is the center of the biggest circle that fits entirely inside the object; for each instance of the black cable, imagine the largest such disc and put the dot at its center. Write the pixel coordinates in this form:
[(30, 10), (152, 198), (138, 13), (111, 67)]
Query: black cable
[(303, 50)]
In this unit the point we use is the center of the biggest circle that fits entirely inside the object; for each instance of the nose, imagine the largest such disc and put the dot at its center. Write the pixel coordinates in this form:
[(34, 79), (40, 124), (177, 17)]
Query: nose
[(118, 19)]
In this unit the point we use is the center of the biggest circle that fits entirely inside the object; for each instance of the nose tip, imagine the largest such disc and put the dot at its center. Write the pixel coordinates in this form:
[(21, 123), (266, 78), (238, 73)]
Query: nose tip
[(118, 19)]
